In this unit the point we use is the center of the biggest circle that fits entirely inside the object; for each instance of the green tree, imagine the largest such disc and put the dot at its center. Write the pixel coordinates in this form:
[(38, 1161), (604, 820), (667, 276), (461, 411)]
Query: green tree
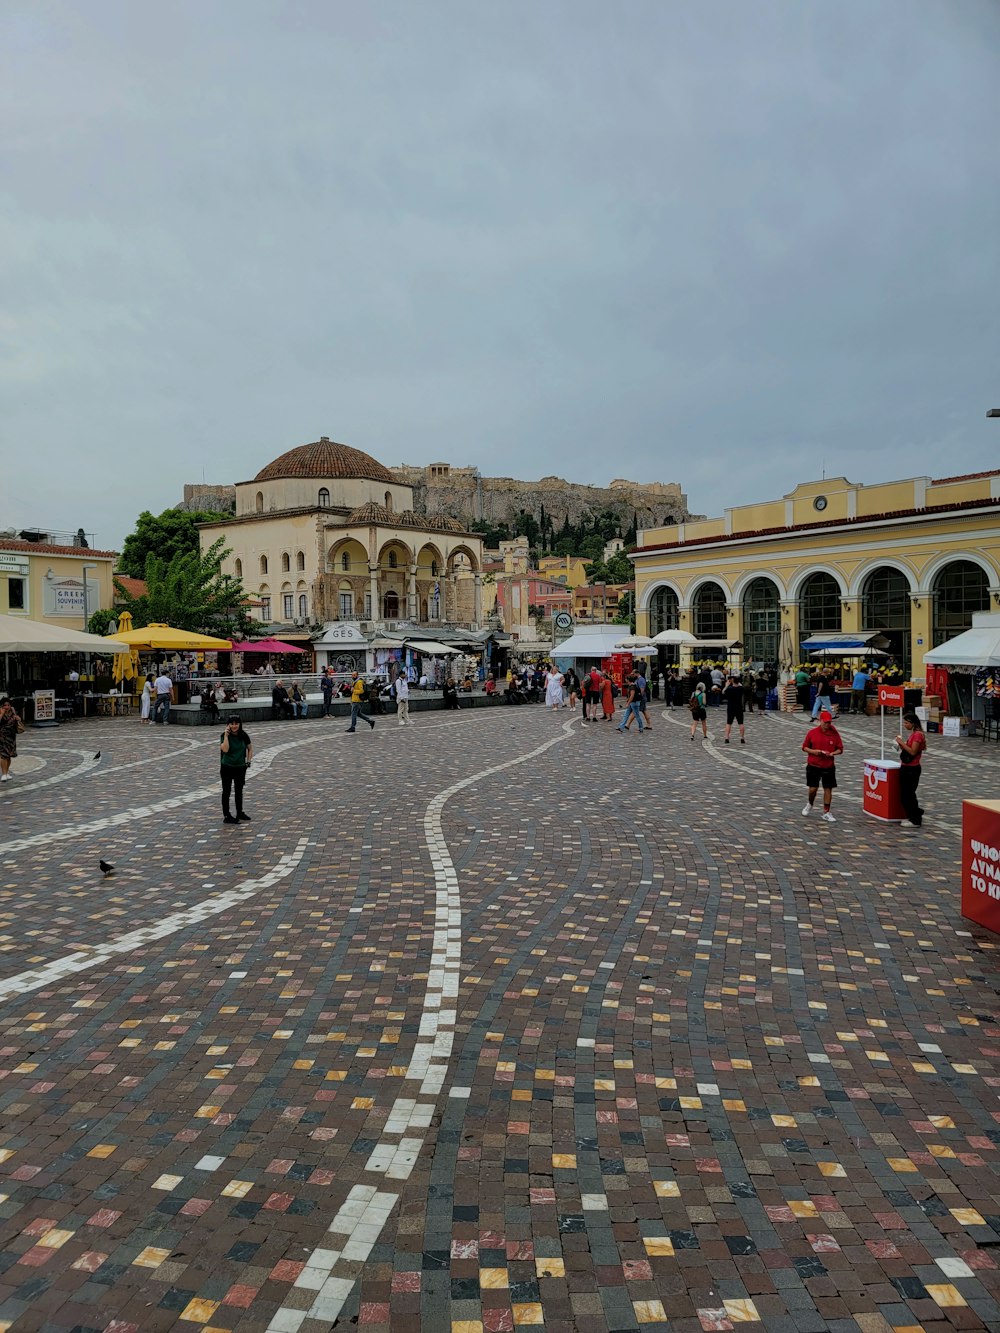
[(620, 569), (592, 547), (165, 535), (565, 546), (625, 613), (190, 591), (99, 621)]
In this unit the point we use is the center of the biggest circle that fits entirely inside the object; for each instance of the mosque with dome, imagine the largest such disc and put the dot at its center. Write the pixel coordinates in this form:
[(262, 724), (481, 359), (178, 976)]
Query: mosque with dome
[(326, 534)]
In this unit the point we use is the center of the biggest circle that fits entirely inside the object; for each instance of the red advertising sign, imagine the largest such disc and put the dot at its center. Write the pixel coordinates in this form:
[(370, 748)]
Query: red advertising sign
[(981, 863), (890, 696), (880, 796)]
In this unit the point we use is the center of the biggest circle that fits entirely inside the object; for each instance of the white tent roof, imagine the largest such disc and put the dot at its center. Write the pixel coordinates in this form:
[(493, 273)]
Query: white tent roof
[(590, 641), (976, 647), (20, 635)]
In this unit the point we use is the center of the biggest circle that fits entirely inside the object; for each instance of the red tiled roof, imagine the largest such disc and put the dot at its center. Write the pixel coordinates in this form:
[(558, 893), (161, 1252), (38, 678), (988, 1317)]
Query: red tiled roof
[(134, 587), (84, 552), (942, 509), (326, 459), (965, 476)]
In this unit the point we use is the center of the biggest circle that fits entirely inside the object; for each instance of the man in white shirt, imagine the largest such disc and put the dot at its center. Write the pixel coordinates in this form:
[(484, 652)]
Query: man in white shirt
[(402, 698), (163, 686)]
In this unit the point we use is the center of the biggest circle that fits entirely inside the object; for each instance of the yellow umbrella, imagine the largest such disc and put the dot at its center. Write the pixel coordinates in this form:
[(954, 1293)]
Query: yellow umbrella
[(164, 637), (126, 665)]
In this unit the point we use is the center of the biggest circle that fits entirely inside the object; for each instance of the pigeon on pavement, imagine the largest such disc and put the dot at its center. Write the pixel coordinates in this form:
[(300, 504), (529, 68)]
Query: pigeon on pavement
[(97, 756), (107, 867)]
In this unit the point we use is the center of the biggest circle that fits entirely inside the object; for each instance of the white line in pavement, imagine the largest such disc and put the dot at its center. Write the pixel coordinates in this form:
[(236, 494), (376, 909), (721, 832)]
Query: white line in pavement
[(56, 971), (331, 1269), (262, 762)]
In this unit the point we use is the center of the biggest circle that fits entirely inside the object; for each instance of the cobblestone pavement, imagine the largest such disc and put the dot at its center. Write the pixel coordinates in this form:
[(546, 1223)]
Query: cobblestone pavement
[(489, 1022)]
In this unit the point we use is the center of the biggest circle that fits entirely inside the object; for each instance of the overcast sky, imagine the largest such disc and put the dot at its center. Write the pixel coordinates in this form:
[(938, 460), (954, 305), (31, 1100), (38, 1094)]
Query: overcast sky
[(722, 243)]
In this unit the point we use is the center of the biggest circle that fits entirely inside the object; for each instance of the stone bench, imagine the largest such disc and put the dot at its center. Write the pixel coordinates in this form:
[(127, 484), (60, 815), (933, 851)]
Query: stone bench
[(258, 708)]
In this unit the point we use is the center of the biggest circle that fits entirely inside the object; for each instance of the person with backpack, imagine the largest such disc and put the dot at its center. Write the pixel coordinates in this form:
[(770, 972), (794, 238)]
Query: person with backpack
[(697, 704)]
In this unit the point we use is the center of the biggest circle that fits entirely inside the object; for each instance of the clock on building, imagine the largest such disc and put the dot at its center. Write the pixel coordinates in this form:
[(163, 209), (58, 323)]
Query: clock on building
[(820, 503)]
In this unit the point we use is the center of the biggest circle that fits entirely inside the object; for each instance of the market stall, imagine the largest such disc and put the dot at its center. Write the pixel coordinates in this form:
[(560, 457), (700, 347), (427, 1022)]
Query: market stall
[(972, 663)]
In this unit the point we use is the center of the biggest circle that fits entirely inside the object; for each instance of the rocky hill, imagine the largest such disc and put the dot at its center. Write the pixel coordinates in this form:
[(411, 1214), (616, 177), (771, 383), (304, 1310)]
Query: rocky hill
[(463, 493)]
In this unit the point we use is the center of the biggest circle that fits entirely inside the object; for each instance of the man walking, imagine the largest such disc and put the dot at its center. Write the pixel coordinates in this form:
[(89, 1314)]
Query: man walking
[(733, 695), (402, 699), (822, 745), (632, 706), (359, 691), (164, 688)]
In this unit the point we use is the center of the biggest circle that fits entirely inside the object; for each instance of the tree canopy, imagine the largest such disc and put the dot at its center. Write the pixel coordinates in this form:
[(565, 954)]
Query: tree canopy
[(171, 533), (190, 591), (619, 569)]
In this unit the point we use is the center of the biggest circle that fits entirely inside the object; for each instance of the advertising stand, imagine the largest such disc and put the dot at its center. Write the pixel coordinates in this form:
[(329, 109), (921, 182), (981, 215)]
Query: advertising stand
[(981, 863), (880, 796)]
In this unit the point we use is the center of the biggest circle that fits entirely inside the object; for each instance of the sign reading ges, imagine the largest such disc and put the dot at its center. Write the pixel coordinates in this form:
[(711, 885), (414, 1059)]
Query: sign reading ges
[(890, 696)]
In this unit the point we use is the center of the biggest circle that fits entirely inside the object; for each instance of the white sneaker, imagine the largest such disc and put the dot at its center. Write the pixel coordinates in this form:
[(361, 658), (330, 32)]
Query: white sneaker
[(4, 777), (828, 817), (807, 809)]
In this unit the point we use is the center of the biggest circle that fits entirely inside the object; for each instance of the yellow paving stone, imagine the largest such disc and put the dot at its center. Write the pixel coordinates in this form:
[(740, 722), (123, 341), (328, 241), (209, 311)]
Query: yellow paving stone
[(659, 1247), (734, 1104), (940, 1150), (831, 1169), (362, 1103), (690, 1103), (102, 1150), (742, 1311), (166, 1182), (604, 1084), (900, 1164), (803, 1208), (968, 1217), (649, 1312), (941, 1121), (667, 1189), (199, 1311), (550, 1268), (521, 1095), (784, 1121), (564, 1161), (466, 1326), (207, 1112), (528, 1313), (945, 1295), (493, 1278), (336, 1075), (669, 1084), (55, 1239), (238, 1189), (151, 1257)]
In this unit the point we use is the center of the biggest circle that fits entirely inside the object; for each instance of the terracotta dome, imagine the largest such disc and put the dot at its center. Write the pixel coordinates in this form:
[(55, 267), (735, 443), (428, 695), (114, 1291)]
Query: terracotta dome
[(445, 524), (325, 459), (371, 513)]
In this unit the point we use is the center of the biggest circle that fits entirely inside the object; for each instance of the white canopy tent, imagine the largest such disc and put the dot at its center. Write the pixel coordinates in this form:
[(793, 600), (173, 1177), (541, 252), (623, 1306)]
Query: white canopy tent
[(19, 635), (590, 642), (974, 648)]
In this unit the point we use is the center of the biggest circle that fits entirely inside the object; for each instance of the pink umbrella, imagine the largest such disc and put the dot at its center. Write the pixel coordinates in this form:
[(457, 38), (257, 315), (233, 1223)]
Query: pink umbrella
[(265, 646)]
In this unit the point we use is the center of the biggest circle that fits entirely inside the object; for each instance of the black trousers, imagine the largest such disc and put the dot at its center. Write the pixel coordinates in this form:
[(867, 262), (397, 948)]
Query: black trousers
[(233, 779), (909, 776)]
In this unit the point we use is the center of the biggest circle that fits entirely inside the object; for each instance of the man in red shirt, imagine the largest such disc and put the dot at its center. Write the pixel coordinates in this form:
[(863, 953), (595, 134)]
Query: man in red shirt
[(822, 745)]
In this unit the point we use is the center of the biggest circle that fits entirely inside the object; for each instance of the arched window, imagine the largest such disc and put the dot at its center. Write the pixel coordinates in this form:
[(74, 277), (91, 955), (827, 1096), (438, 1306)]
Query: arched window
[(710, 612), (324, 498), (885, 607), (664, 611), (239, 569), (303, 606), (393, 562), (390, 605), (959, 589), (819, 605), (259, 502), (388, 501), (434, 569), (761, 621), (345, 562), (286, 563), (346, 596), (300, 560), (263, 564)]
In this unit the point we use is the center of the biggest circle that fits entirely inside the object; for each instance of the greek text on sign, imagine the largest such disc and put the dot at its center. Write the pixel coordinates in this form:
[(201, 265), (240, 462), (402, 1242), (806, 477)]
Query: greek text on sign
[(890, 696), (985, 870)]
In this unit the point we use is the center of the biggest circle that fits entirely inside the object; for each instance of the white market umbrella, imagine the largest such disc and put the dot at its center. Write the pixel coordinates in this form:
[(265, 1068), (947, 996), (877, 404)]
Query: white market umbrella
[(19, 635), (673, 636), (636, 643)]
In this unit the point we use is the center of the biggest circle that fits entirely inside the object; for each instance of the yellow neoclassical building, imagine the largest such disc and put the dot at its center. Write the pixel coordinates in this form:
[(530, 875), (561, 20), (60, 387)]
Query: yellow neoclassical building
[(909, 559), (325, 533)]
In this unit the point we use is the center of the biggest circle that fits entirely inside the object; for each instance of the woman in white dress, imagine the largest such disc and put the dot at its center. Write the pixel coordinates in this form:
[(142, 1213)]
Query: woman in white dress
[(147, 693), (553, 689)]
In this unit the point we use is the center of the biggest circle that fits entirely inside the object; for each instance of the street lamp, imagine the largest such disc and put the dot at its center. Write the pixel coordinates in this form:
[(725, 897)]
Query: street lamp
[(86, 604)]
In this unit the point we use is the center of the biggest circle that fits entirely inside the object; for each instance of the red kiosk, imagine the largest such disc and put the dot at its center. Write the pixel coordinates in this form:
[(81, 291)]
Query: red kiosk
[(981, 863), (880, 797)]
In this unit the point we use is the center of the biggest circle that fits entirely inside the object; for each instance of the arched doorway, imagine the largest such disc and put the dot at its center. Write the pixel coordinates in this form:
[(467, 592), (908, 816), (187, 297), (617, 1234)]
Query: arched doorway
[(665, 613), (819, 605), (761, 621), (960, 588), (885, 608), (390, 606), (710, 612)]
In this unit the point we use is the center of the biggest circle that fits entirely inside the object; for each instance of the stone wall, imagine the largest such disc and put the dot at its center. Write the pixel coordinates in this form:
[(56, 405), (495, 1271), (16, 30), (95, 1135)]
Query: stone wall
[(462, 493), (212, 499)]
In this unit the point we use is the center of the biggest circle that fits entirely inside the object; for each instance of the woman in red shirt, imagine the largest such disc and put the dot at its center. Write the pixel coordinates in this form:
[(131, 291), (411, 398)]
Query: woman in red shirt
[(911, 747)]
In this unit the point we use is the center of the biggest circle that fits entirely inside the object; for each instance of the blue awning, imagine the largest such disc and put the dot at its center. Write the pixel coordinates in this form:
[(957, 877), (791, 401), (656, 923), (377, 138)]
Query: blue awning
[(844, 641)]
